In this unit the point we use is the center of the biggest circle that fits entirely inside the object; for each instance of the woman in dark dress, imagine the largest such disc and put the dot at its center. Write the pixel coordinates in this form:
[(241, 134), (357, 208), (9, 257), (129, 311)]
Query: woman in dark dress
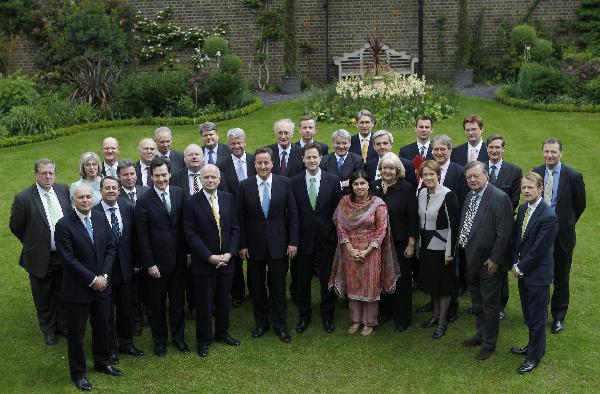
[(438, 216), (399, 197)]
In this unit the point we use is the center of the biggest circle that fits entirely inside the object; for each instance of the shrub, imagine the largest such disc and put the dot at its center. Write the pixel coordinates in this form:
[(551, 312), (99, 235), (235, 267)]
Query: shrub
[(215, 45), (541, 50), (149, 93), (228, 91), (16, 90), (591, 90), (230, 64), (93, 82), (522, 36), (503, 94), (540, 82)]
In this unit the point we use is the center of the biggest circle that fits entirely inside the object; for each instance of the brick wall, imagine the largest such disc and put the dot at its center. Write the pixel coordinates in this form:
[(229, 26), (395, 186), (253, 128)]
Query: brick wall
[(351, 22)]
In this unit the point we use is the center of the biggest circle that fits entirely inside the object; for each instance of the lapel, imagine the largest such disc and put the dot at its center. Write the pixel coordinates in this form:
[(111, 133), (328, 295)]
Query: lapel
[(83, 231), (481, 209), (561, 183), (37, 200), (158, 201), (502, 174), (255, 191), (306, 197), (125, 224), (63, 199), (533, 219), (204, 204)]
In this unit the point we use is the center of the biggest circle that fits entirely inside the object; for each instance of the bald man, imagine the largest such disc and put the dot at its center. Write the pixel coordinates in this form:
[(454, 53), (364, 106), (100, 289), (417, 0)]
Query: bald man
[(110, 153)]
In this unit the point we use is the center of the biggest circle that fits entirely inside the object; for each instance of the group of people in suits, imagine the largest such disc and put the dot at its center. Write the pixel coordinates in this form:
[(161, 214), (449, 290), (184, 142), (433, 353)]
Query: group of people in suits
[(134, 238)]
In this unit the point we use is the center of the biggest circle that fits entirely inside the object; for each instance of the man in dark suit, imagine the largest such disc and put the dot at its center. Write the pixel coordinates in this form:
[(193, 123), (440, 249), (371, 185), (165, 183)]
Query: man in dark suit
[(422, 146), (129, 190), (317, 194), (110, 152), (287, 157), (341, 162), (214, 152), (147, 150), (268, 239), (159, 228), (362, 143), (164, 138), (188, 178), (85, 243), (484, 241), (119, 215), (308, 130), (236, 168), (383, 141), (506, 177), (473, 149), (33, 216), (532, 263), (564, 192), (212, 234)]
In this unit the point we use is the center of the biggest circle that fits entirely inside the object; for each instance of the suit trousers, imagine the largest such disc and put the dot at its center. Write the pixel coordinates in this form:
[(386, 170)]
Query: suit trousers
[(98, 312), (238, 285), (138, 293), (189, 290), (269, 273), (562, 269), (170, 285), (534, 303), (305, 264), (212, 291), (399, 304), (504, 295), (47, 299), (485, 300), (121, 317)]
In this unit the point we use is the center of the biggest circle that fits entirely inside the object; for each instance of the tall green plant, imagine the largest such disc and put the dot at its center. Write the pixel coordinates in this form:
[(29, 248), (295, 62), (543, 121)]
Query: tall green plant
[(290, 48), (463, 52)]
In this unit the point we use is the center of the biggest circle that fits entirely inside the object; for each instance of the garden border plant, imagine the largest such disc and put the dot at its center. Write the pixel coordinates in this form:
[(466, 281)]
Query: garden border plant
[(503, 97)]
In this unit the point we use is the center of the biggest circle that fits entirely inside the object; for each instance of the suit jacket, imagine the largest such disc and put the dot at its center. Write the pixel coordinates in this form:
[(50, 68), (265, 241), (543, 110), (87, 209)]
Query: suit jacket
[(202, 234), (401, 202), (324, 147), (223, 153), (160, 233), (229, 174), (352, 163), (295, 165), (491, 232), (139, 190), (316, 226), (509, 181), (271, 235), (84, 259), (533, 253), (102, 169), (455, 180), (181, 180), (371, 168), (459, 154), (124, 258), (138, 172), (411, 150), (570, 203), (176, 160), (29, 223), (356, 148)]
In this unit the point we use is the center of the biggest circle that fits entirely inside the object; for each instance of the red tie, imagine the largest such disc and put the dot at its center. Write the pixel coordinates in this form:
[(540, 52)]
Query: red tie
[(196, 186)]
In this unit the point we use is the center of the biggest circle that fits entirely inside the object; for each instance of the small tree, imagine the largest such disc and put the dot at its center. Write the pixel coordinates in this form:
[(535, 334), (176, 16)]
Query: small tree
[(463, 52), (290, 49)]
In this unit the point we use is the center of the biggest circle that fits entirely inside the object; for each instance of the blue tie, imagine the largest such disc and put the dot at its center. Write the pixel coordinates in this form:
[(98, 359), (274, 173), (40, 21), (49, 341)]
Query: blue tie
[(266, 199), (88, 227), (340, 164), (114, 223), (210, 157)]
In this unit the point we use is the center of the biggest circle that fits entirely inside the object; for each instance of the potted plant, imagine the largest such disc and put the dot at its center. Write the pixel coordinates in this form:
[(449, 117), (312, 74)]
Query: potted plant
[(463, 75), (290, 82)]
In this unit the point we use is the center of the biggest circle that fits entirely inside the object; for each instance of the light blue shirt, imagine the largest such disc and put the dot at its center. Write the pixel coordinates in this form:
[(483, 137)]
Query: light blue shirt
[(555, 182)]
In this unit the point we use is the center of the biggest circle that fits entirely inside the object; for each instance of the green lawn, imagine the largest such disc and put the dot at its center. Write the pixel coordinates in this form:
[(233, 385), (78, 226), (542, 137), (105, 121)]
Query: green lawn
[(315, 361)]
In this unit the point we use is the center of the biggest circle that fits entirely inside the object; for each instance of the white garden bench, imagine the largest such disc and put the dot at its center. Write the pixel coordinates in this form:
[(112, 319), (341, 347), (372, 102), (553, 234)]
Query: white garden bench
[(357, 63)]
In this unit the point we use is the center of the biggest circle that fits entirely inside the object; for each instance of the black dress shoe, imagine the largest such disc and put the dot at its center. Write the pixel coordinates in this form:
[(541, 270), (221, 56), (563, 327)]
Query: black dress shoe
[(203, 351), (191, 314), (160, 349), (424, 308), (328, 326), (137, 331), (430, 323), (557, 326), (108, 369), (182, 346), (302, 326), (113, 359), (229, 340), (384, 319), (528, 366), (439, 332), (401, 327), (83, 384), (236, 302), (51, 340), (452, 316), (132, 351), (520, 351), (259, 332), (283, 336), (470, 311)]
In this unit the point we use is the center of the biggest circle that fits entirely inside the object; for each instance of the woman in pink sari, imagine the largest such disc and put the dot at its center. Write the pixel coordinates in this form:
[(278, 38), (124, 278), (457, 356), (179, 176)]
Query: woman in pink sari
[(365, 264)]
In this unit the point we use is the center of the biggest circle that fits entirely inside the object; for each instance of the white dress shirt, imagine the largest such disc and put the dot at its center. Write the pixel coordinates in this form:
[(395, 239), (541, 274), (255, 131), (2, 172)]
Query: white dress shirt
[(145, 170), (191, 180), (317, 177), (214, 154), (477, 149), (107, 213), (444, 168)]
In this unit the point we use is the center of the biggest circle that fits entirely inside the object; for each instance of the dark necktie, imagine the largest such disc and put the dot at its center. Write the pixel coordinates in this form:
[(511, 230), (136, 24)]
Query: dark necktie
[(210, 157), (493, 175), (149, 181), (422, 152), (132, 196), (283, 163), (114, 223), (196, 185)]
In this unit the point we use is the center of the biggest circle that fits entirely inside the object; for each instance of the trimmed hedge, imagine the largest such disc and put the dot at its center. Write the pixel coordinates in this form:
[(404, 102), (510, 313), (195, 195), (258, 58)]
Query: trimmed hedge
[(503, 96), (102, 124)]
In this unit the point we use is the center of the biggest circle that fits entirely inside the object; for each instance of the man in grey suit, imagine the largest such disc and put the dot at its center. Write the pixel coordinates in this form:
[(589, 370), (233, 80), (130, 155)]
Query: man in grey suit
[(484, 242), (33, 215)]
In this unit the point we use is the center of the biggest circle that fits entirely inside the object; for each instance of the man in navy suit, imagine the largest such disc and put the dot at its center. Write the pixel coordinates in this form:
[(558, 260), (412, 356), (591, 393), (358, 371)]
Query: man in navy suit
[(535, 230), (147, 150), (268, 239), (214, 152), (383, 141), (236, 168), (473, 149), (308, 130), (564, 192), (110, 153), (212, 234), (341, 162), (362, 143), (159, 229), (164, 138), (287, 157), (317, 195), (85, 243), (121, 219), (422, 146)]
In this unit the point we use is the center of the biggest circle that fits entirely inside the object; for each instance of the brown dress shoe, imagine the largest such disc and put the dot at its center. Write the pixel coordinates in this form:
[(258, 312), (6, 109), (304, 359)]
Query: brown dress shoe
[(484, 354)]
